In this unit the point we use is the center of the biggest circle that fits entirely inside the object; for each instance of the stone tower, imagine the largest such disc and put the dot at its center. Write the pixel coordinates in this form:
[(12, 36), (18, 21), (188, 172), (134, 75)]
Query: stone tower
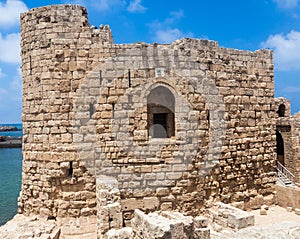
[(168, 127), (56, 54)]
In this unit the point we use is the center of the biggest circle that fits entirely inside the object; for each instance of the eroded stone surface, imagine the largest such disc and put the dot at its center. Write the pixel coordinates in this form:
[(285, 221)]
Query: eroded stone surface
[(228, 216), (289, 230), (168, 225), (21, 227)]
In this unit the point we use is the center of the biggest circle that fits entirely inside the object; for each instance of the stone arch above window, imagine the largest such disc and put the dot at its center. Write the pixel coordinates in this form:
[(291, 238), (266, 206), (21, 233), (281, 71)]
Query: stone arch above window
[(160, 113), (281, 110)]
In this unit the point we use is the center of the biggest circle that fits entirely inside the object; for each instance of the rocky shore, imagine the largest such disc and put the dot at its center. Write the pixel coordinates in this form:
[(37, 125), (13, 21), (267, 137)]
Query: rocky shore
[(10, 142), (8, 128)]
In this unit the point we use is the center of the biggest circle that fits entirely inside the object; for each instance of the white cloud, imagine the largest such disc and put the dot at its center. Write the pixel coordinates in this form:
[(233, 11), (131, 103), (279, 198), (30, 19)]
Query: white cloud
[(286, 50), (3, 92), (1, 73), (108, 5), (10, 48), (175, 15), (291, 89), (136, 6), (100, 5), (10, 12), (170, 35), (164, 32), (287, 4), (16, 84)]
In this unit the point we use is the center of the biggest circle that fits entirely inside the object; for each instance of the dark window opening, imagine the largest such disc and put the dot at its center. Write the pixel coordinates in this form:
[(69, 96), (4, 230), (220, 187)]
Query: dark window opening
[(160, 108), (70, 171), (160, 125), (281, 110), (91, 110), (280, 148)]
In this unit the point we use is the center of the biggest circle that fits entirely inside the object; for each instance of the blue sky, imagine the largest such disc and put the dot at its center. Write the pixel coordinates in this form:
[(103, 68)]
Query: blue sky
[(246, 25)]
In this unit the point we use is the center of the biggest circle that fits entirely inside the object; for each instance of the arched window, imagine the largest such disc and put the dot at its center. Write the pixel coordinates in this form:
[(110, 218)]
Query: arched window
[(160, 113), (280, 148), (281, 110)]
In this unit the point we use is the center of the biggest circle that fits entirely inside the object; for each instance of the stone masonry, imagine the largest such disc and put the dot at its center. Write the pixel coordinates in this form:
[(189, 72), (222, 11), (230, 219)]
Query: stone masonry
[(171, 127), (288, 138)]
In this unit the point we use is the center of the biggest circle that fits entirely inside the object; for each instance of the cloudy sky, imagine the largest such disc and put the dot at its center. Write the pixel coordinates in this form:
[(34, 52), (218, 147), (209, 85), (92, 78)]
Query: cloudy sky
[(246, 25)]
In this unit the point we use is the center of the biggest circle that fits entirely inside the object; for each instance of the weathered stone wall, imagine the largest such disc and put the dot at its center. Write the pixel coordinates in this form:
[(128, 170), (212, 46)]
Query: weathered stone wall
[(288, 128), (283, 128), (55, 57), (296, 146), (85, 115), (288, 196)]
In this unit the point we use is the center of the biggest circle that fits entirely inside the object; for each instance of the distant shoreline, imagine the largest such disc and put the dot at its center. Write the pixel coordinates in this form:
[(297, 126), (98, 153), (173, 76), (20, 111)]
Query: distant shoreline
[(8, 128), (11, 144)]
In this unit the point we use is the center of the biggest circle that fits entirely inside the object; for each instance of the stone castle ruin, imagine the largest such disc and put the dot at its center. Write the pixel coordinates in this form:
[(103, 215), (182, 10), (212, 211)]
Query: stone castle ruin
[(118, 130)]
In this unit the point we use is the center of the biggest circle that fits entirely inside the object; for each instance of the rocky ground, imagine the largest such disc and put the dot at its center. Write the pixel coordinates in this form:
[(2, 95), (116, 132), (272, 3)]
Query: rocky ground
[(277, 224), (21, 227)]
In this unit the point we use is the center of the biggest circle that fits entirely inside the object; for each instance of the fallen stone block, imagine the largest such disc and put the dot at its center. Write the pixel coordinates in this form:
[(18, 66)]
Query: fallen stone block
[(124, 233), (229, 216), (200, 222), (297, 211), (289, 209), (166, 225), (55, 234), (202, 233), (263, 211)]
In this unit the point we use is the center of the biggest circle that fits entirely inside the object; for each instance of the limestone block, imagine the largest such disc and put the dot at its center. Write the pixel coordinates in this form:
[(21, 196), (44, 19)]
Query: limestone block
[(202, 233), (240, 219), (289, 209), (229, 216), (297, 211), (124, 233), (263, 211), (167, 226), (254, 202), (166, 206), (200, 222)]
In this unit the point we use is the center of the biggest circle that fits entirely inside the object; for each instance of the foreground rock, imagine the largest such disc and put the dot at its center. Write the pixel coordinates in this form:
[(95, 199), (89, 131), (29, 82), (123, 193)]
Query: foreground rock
[(278, 223), (285, 229), (169, 225), (22, 227)]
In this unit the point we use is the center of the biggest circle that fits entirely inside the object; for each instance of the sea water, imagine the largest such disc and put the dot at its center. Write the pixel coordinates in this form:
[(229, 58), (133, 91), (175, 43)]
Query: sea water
[(10, 178)]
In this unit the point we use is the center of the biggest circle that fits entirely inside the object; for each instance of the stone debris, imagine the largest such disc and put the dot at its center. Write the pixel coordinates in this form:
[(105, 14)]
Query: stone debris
[(108, 205), (283, 230), (289, 209), (297, 211), (168, 225), (228, 216), (29, 227), (124, 233), (264, 209), (22, 227)]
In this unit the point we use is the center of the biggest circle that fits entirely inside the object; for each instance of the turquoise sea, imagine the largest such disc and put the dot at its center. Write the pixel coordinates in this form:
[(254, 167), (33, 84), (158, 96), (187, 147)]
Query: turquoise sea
[(10, 178)]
